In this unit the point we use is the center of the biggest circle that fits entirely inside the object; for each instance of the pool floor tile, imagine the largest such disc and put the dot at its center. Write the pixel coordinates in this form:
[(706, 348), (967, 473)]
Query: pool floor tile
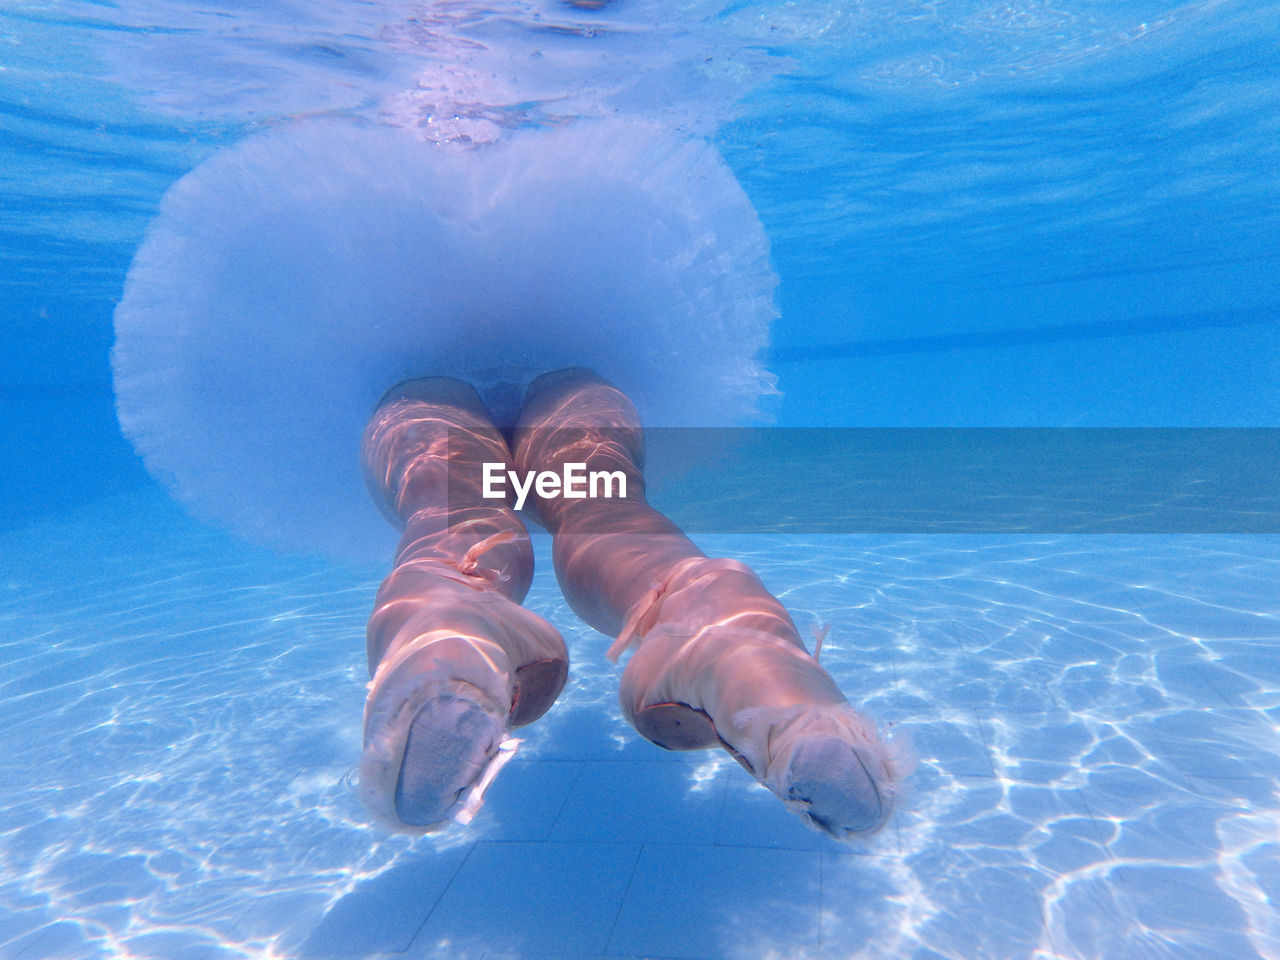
[(642, 801), (524, 802), (384, 914), (720, 903), (527, 898)]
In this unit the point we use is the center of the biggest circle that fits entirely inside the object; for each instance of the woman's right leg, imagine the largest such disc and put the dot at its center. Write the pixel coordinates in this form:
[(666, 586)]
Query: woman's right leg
[(456, 662)]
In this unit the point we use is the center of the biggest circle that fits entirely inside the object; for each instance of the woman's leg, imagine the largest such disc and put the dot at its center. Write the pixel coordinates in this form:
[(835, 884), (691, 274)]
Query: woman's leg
[(718, 660), (456, 661)]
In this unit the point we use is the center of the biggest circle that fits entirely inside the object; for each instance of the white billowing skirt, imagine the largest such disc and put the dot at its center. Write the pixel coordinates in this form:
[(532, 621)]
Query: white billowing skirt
[(292, 279)]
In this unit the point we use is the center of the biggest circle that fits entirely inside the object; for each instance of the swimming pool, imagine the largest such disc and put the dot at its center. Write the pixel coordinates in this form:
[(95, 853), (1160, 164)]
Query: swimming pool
[(980, 216)]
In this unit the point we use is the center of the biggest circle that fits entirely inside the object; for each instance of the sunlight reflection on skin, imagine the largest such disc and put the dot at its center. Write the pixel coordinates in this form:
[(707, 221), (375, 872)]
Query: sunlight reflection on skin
[(456, 661)]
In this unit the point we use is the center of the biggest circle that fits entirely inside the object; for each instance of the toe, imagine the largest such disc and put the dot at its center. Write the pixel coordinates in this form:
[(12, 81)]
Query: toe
[(829, 776)]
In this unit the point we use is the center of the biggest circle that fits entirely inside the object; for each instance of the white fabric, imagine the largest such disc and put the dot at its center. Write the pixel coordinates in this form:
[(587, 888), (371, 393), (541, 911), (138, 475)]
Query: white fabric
[(291, 279)]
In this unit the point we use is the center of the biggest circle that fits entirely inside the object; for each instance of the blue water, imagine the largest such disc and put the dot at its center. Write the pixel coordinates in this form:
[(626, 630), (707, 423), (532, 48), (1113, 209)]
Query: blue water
[(1021, 214)]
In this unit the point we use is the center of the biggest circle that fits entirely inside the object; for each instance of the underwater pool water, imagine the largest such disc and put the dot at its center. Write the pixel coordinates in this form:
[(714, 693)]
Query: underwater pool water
[(1021, 214), (1095, 720)]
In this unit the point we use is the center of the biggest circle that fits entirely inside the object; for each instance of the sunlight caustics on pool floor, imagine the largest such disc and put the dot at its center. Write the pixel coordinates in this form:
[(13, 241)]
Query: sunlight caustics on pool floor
[(1096, 721)]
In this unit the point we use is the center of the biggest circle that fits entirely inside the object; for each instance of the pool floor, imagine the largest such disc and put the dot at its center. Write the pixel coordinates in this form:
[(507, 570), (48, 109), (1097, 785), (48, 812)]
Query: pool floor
[(1096, 721)]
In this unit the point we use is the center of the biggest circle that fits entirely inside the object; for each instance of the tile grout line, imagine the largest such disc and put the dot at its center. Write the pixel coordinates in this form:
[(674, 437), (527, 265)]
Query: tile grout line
[(452, 879), (613, 927), (1048, 931), (1097, 827), (822, 899), (986, 744), (555, 821), (718, 838)]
